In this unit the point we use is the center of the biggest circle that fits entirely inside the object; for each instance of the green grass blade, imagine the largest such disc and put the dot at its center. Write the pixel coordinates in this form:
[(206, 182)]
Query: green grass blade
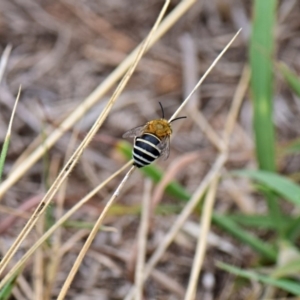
[(277, 183), (261, 53), (7, 137), (284, 284), (266, 250), (5, 292), (161, 209), (292, 80), (260, 221), (3, 154), (292, 232), (275, 211), (291, 225)]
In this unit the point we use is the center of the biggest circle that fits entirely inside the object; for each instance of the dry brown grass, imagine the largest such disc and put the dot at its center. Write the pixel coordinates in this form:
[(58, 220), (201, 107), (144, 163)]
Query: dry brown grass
[(63, 50)]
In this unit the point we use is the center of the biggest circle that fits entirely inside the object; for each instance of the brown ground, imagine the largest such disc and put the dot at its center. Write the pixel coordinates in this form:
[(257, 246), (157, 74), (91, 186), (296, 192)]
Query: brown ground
[(61, 51)]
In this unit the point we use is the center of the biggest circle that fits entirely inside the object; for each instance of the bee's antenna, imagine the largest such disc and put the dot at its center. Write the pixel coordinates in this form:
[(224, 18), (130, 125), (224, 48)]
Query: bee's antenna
[(177, 119), (162, 109)]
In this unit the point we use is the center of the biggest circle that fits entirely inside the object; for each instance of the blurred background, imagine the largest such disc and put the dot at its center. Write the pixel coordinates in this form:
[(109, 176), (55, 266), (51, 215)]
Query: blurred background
[(60, 51)]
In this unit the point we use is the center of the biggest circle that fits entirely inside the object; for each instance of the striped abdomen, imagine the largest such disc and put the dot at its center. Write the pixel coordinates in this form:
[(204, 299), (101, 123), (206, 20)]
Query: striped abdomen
[(145, 150)]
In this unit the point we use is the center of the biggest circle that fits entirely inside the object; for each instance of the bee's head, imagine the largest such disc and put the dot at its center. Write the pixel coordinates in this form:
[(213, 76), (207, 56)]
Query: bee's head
[(161, 127)]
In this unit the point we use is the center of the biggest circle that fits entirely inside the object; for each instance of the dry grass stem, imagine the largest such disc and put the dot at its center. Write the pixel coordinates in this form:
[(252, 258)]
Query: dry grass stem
[(168, 283), (236, 103), (17, 294), (12, 115), (190, 65), (28, 204), (202, 239), (214, 240), (176, 166), (77, 154), (101, 26), (240, 197), (209, 132), (72, 241), (142, 240), (90, 239), (63, 219), (106, 261), (25, 287), (244, 202), (4, 60), (204, 76), (93, 98), (209, 202), (25, 154), (12, 213)]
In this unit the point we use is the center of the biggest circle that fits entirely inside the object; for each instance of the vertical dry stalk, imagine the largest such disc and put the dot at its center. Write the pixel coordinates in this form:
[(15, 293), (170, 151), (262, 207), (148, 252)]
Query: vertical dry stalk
[(24, 287), (202, 240), (4, 60), (142, 239), (209, 201), (236, 103)]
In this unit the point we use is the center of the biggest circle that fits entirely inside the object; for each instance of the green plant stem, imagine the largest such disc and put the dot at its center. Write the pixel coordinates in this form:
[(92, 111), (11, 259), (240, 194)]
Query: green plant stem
[(258, 245), (261, 53), (3, 155)]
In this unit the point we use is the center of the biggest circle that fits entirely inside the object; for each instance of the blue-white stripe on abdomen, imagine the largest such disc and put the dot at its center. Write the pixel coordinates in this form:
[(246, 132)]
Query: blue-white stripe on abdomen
[(145, 150)]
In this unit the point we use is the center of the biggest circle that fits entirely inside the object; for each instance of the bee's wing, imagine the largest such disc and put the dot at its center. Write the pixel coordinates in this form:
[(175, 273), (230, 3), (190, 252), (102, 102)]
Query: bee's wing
[(137, 131), (164, 146)]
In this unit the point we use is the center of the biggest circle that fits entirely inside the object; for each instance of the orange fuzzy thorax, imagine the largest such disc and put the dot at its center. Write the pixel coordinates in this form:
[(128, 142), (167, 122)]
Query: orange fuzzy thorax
[(160, 128)]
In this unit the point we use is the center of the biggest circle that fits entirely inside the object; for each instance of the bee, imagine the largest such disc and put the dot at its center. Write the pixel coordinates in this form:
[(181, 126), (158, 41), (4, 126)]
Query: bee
[(151, 141)]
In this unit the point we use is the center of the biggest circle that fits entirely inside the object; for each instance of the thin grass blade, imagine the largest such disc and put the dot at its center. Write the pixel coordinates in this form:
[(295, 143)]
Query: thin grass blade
[(261, 53), (261, 247), (275, 182), (259, 221), (284, 284), (7, 137), (290, 77), (6, 291)]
